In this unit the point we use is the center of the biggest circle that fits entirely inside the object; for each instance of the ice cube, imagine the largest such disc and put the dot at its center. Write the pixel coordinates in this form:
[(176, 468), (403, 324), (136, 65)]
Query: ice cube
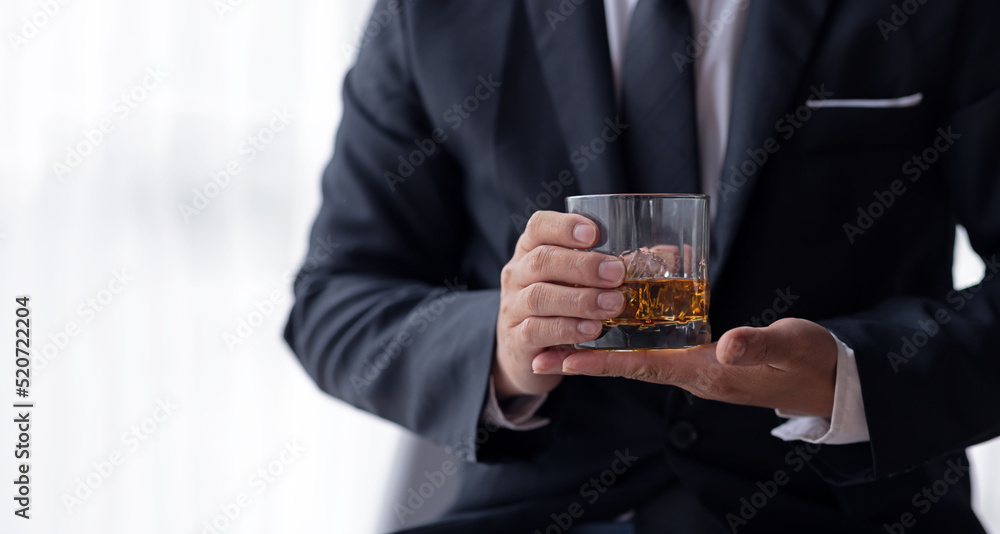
[(645, 264)]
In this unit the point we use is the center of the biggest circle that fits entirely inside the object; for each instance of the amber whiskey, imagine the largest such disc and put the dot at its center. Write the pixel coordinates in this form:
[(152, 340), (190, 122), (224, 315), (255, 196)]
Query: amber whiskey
[(671, 300)]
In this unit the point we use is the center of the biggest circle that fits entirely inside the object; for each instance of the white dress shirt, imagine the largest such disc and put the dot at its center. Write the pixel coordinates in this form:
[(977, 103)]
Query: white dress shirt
[(718, 27)]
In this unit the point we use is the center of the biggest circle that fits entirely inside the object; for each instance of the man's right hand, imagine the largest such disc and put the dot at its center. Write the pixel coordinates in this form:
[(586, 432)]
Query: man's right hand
[(541, 312)]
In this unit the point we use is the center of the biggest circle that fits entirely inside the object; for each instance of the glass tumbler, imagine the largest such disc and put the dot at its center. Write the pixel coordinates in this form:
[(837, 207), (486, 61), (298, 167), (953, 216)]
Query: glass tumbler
[(663, 240)]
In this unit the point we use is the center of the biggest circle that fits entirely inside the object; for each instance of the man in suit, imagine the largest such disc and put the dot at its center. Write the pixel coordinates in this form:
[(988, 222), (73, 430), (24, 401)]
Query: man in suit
[(841, 141)]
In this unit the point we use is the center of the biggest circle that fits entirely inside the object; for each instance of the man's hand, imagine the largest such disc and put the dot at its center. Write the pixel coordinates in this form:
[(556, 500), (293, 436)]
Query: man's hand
[(790, 365), (541, 312)]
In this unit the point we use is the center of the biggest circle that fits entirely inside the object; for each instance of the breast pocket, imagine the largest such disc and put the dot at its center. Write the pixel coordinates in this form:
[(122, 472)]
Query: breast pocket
[(910, 101), (848, 125)]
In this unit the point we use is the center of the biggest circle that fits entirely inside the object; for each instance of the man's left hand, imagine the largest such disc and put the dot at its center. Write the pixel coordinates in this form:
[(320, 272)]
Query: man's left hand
[(790, 365)]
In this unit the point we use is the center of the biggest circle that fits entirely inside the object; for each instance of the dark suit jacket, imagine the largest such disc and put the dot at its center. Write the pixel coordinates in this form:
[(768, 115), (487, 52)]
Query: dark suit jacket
[(462, 117)]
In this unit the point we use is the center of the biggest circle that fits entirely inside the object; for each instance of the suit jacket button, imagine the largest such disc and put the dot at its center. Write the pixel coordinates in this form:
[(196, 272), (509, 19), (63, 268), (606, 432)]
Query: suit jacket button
[(683, 435)]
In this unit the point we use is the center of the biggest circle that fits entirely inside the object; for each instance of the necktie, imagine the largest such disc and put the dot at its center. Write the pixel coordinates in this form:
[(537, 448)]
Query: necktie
[(658, 101)]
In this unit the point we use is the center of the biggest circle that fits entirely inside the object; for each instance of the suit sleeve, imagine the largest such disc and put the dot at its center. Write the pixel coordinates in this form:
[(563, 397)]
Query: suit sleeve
[(930, 368), (381, 317)]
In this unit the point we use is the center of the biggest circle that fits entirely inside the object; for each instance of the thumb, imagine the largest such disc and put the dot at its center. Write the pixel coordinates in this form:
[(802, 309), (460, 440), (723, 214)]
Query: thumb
[(776, 345)]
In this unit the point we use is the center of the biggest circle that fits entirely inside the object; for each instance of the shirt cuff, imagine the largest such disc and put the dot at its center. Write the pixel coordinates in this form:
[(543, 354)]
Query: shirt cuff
[(848, 423), (518, 413)]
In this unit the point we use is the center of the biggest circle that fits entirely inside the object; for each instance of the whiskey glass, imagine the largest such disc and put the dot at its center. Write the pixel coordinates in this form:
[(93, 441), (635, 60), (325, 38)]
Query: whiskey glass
[(664, 241)]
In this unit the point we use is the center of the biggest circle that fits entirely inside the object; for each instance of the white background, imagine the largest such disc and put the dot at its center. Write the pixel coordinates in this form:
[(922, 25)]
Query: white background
[(161, 337)]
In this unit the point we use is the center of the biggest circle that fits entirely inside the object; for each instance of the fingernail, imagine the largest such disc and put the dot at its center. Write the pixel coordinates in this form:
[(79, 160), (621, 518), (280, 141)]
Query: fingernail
[(611, 300), (567, 370), (542, 370), (736, 348), (589, 328), (612, 271), (585, 234)]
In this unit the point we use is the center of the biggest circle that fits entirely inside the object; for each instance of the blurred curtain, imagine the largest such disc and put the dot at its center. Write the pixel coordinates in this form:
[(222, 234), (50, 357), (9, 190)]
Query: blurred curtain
[(194, 320)]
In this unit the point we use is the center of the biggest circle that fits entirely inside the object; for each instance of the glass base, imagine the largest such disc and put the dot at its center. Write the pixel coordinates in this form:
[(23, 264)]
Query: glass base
[(646, 337)]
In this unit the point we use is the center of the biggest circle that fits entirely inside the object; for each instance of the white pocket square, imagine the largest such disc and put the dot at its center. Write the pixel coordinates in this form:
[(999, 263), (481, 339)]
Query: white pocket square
[(901, 102)]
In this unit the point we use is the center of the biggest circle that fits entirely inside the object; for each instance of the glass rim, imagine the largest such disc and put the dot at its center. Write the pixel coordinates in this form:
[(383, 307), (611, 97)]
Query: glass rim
[(644, 195)]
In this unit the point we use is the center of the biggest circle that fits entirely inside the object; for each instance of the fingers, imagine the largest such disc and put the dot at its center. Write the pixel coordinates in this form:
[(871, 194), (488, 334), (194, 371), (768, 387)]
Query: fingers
[(732, 347), (781, 345), (542, 332), (789, 365), (694, 369), (640, 365), (548, 263), (550, 362), (559, 229), (553, 300), (546, 252), (658, 366)]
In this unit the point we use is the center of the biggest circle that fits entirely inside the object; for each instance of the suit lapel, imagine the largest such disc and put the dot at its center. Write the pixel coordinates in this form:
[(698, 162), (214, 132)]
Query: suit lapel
[(779, 39), (575, 60), (576, 64)]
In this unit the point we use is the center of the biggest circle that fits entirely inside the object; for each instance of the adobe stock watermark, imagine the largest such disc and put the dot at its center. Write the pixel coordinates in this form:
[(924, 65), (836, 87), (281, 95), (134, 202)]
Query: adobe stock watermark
[(787, 127), (121, 109), (30, 25), (926, 329), (924, 500), (56, 343), (783, 301), (247, 325), (697, 45), (249, 149), (131, 439), (590, 491), (224, 7), (378, 22), (900, 15), (259, 480), (263, 308), (416, 323), (566, 10), (767, 489), (581, 158), (914, 168), (454, 117), (320, 252)]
